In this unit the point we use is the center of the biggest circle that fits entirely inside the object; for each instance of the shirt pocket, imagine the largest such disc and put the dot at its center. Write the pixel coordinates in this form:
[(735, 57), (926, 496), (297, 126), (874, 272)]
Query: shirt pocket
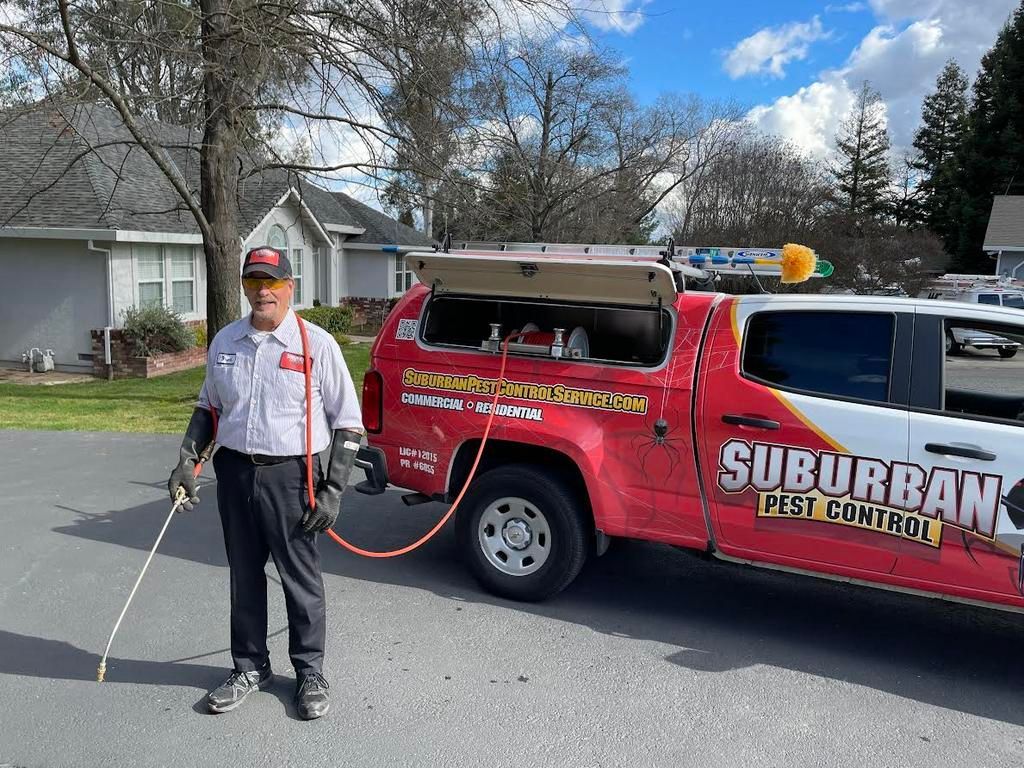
[(290, 389), (233, 383)]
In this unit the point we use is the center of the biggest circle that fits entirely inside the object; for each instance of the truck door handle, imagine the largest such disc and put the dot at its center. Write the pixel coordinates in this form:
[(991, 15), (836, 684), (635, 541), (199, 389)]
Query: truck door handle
[(959, 450), (750, 421)]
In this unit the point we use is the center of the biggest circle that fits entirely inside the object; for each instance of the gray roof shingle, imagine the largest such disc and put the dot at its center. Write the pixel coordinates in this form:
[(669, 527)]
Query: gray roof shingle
[(77, 166), (1006, 223), (380, 228), (45, 180)]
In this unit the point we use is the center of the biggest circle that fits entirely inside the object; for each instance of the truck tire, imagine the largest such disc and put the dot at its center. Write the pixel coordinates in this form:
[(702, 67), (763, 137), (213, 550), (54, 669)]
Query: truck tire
[(953, 347), (523, 532), (1006, 354)]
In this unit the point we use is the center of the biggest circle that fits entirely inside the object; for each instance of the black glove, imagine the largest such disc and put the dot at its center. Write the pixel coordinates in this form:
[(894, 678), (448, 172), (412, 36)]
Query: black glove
[(340, 456), (197, 437)]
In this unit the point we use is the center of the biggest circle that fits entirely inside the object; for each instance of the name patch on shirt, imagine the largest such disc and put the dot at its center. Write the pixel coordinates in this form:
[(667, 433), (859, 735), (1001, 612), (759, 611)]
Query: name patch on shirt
[(226, 358), (292, 361)]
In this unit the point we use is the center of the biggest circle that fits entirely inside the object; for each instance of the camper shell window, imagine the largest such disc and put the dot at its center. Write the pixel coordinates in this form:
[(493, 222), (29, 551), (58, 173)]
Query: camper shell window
[(617, 335)]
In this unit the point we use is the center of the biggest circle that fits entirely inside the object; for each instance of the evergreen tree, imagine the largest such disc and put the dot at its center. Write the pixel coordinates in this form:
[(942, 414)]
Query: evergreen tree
[(862, 171), (944, 120), (991, 157)]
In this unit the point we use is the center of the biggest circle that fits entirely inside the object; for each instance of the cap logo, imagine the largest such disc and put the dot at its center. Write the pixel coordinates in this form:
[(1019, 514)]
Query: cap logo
[(265, 256)]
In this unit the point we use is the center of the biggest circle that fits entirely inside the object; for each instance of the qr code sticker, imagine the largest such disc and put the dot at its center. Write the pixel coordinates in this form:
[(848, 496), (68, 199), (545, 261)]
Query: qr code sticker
[(406, 329)]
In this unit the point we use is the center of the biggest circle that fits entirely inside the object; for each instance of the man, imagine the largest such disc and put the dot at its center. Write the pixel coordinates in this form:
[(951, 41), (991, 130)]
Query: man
[(255, 383)]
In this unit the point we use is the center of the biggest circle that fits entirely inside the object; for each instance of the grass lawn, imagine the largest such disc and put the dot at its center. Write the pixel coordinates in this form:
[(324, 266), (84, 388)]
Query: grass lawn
[(163, 404)]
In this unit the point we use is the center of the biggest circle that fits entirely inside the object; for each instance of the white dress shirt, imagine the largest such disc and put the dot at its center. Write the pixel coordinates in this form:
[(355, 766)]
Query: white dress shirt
[(258, 388)]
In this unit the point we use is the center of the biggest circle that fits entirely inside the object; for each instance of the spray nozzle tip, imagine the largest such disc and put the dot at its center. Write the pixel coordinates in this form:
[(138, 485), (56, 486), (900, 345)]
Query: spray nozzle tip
[(101, 672)]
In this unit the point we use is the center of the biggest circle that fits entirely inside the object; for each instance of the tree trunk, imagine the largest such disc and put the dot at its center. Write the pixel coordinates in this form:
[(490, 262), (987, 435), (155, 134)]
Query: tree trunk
[(428, 209), (219, 170)]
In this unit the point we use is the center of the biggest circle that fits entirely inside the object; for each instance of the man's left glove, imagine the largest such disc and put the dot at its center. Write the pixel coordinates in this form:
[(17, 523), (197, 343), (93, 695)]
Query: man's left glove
[(340, 457), (197, 437)]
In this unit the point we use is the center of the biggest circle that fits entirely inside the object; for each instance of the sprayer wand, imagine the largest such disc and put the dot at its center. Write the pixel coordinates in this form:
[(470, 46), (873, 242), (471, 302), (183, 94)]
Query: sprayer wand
[(179, 499)]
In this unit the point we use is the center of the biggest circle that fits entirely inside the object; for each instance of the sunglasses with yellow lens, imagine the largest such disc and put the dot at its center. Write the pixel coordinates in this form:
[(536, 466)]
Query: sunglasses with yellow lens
[(258, 283)]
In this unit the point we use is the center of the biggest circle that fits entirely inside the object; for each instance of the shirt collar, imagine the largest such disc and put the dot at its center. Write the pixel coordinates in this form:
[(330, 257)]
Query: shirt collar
[(285, 332)]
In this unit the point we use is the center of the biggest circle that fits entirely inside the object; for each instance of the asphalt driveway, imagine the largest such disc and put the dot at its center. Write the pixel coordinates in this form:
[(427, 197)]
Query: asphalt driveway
[(652, 658)]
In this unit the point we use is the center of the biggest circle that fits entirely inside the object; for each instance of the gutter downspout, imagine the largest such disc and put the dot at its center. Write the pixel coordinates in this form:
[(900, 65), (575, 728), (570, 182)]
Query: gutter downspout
[(1013, 274), (110, 308)]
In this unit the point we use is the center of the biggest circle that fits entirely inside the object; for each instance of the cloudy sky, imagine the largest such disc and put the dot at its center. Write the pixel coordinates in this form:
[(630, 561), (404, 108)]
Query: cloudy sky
[(794, 64)]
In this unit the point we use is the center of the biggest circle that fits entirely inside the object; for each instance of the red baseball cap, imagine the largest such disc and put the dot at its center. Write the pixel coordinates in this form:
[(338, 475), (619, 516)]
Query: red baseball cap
[(270, 261)]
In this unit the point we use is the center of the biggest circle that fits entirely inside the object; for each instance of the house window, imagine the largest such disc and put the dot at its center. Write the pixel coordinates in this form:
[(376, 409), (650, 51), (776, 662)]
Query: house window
[(183, 279), (166, 271), (151, 276), (276, 238), (403, 275), (297, 274)]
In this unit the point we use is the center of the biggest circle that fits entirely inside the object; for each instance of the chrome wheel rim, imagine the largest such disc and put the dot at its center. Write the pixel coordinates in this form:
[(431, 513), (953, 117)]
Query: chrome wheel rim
[(514, 536)]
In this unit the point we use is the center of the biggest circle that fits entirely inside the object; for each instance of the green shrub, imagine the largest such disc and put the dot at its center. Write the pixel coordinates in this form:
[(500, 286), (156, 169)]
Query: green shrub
[(341, 338), (200, 333), (331, 319), (152, 330)]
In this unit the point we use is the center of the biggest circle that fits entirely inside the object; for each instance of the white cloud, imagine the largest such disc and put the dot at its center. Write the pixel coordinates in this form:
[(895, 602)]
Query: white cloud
[(901, 57), (573, 44), (808, 118), (769, 50), (847, 8), (622, 16)]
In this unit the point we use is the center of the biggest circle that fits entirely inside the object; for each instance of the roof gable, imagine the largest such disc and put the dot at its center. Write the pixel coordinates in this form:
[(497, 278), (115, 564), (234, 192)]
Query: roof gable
[(1005, 224)]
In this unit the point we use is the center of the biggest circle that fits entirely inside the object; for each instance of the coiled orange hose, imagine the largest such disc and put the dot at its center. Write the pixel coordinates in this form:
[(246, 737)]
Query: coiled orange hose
[(307, 368)]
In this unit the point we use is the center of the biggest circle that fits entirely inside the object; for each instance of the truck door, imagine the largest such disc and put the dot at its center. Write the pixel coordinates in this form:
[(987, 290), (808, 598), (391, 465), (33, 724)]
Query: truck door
[(966, 429), (804, 421)]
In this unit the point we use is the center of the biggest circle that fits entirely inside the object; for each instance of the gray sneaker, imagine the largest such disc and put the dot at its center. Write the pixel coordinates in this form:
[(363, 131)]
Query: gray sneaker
[(311, 696), (232, 692)]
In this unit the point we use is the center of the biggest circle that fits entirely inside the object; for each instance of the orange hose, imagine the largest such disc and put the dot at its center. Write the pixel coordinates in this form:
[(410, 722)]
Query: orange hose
[(309, 453)]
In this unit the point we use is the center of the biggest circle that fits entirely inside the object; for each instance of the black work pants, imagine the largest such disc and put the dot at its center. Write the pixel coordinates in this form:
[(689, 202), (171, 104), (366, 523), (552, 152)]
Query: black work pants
[(260, 509)]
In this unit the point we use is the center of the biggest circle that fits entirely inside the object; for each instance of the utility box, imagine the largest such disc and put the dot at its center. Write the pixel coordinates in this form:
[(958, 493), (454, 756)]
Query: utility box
[(38, 360)]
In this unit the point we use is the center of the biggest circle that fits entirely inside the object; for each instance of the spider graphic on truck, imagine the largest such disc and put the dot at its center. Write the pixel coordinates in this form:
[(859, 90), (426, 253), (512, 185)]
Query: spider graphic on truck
[(824, 434)]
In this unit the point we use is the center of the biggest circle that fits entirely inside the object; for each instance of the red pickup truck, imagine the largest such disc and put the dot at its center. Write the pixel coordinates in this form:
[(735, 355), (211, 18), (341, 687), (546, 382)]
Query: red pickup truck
[(826, 434)]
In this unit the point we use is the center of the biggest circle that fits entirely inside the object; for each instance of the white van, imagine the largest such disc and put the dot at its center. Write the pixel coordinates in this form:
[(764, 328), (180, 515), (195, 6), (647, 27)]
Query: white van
[(977, 289)]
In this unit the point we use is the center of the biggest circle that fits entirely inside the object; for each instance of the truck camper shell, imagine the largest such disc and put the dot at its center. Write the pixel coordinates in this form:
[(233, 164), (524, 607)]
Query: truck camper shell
[(608, 310)]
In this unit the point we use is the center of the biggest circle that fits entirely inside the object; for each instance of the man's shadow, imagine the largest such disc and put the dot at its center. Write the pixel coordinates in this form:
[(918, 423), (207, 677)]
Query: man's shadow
[(58, 660)]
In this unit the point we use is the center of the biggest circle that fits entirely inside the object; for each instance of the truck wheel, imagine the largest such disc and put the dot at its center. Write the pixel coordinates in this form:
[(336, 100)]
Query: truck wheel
[(523, 532), (953, 347), (1007, 353)]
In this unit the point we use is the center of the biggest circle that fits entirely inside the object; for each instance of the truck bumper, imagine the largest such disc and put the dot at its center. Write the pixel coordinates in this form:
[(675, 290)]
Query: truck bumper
[(373, 463)]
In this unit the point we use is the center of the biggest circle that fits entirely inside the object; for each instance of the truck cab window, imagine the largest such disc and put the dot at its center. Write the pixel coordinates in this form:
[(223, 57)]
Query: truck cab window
[(1013, 300), (983, 374), (988, 298), (843, 354)]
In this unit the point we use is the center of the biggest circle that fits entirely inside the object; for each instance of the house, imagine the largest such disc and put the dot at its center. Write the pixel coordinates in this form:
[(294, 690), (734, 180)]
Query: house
[(90, 226), (1004, 237)]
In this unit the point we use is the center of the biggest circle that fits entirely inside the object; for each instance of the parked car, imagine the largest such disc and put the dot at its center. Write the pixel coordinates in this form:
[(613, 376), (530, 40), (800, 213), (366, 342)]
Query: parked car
[(809, 433)]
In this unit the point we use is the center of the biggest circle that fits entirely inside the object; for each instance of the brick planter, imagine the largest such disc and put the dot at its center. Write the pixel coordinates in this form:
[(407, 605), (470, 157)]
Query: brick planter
[(127, 366), (368, 314)]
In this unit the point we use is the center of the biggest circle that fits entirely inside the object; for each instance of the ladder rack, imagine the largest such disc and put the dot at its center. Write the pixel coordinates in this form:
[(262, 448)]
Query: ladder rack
[(693, 260), (958, 282)]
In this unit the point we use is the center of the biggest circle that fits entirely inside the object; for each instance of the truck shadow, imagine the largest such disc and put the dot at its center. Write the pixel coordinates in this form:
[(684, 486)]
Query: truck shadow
[(721, 617)]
